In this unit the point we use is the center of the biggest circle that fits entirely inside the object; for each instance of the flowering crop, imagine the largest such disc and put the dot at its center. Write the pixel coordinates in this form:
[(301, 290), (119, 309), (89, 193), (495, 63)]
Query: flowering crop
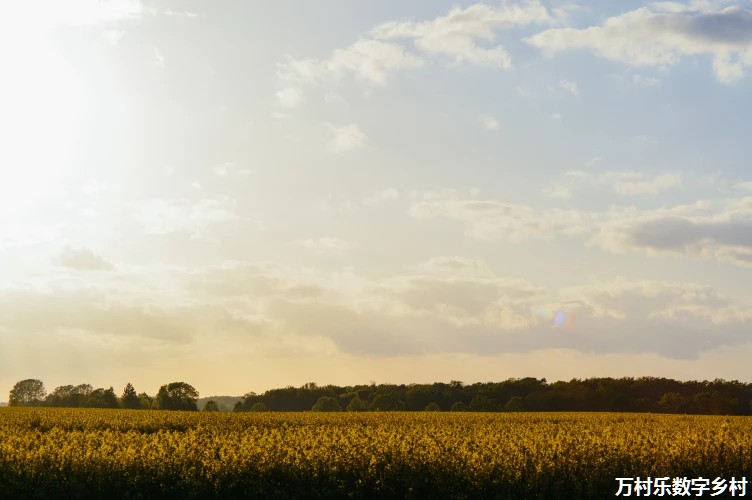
[(87, 453)]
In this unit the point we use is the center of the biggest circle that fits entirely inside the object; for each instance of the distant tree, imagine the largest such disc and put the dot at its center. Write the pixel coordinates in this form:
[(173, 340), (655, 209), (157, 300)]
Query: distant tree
[(129, 399), (386, 401), (101, 398), (672, 402), (357, 404), (177, 396), (146, 401), (78, 398), (481, 402), (29, 392), (432, 406), (211, 405), (260, 406), (459, 406), (514, 404), (60, 397), (327, 403)]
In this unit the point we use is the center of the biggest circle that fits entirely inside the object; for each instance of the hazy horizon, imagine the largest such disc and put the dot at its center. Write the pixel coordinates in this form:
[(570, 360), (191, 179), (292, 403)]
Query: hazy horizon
[(245, 196)]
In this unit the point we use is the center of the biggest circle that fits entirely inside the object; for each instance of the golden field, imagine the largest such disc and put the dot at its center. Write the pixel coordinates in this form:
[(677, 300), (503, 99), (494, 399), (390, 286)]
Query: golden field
[(88, 453)]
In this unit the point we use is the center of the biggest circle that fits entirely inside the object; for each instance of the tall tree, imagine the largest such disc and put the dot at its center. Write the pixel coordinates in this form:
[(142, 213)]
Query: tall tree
[(177, 396), (29, 392), (129, 399)]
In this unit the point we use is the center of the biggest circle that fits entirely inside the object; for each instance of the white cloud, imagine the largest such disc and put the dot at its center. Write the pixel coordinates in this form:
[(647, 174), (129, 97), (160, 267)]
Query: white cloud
[(289, 97), (456, 35), (158, 216), (344, 138), (82, 259), (229, 168), (661, 34), (159, 59), (569, 86), (622, 182), (368, 60), (334, 98), (646, 81), (487, 219), (462, 35), (723, 234), (637, 183), (187, 14), (326, 244), (489, 122)]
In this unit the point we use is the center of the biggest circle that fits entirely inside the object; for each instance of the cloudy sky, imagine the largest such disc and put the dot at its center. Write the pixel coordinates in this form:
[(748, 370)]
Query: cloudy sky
[(248, 195)]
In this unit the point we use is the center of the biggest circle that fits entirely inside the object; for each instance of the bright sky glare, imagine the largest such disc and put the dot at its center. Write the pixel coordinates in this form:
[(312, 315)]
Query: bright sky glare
[(248, 195)]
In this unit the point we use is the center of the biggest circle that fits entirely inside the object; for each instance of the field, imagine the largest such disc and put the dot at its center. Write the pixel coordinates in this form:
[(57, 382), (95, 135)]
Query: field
[(71, 453)]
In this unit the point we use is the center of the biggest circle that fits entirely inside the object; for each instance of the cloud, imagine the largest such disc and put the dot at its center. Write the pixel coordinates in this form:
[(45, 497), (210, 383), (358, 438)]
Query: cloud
[(489, 122), (488, 219), (187, 14), (725, 235), (82, 259), (569, 86), (448, 304), (344, 138), (158, 216), (326, 244), (622, 182), (646, 81), (289, 97), (704, 229), (454, 304), (456, 35), (662, 34), (463, 36), (370, 61), (159, 59)]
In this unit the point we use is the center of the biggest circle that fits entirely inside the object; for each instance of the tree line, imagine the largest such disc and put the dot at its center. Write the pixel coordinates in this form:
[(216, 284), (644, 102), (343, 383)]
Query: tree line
[(173, 396), (644, 394)]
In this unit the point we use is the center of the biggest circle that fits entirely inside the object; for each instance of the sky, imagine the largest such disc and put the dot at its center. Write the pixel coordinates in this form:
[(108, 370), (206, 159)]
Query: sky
[(246, 195)]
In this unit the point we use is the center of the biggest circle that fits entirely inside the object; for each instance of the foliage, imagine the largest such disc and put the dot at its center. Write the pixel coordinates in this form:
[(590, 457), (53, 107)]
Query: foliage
[(327, 403), (211, 405), (177, 396), (130, 399), (29, 392), (432, 406), (258, 407)]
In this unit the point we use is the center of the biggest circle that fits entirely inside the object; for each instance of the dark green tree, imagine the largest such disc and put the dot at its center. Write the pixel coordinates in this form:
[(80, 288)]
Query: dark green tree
[(260, 406), (101, 398), (146, 401), (177, 396), (432, 406), (129, 399), (386, 401), (357, 404), (29, 392), (514, 404), (327, 403), (211, 405), (459, 406)]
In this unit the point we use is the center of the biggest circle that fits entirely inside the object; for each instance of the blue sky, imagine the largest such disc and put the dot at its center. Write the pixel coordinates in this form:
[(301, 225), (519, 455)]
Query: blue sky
[(249, 195)]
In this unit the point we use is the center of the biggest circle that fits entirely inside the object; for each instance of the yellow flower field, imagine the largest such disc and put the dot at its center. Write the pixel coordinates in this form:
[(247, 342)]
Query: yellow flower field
[(86, 453)]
